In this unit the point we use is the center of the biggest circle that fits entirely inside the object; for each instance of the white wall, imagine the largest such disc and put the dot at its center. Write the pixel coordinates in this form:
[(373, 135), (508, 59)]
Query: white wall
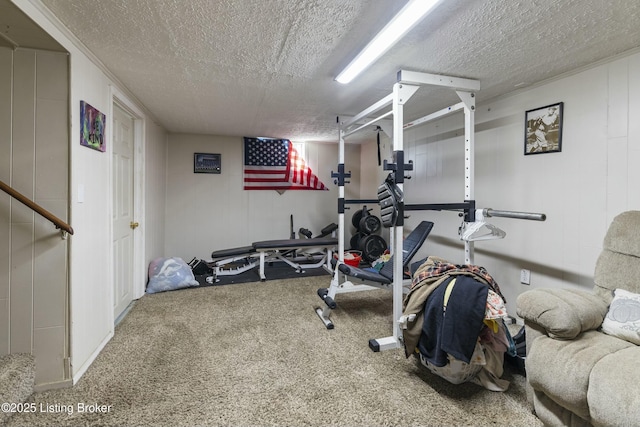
[(91, 306), (580, 189), (155, 190), (207, 212), (34, 161)]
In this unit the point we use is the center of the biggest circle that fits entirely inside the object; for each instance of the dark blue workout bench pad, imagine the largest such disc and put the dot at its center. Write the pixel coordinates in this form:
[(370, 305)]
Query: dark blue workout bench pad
[(410, 246), (274, 244)]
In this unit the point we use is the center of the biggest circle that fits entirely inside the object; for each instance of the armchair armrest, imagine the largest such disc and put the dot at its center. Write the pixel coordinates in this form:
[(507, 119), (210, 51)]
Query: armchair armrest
[(563, 313)]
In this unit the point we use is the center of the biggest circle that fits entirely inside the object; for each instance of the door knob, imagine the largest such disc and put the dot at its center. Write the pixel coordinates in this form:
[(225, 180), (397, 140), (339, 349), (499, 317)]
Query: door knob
[(134, 225)]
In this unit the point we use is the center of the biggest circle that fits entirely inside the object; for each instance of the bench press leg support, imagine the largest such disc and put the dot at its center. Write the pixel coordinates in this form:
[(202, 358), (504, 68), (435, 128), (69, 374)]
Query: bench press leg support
[(328, 295), (325, 317), (323, 293), (262, 262), (325, 312), (387, 343)]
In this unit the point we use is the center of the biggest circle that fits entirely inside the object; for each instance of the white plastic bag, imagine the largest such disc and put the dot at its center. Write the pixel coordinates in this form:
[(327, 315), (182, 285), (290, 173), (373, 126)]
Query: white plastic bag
[(167, 274)]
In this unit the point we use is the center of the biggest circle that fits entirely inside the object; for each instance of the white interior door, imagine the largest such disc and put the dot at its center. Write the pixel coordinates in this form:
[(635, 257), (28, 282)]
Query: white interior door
[(124, 224)]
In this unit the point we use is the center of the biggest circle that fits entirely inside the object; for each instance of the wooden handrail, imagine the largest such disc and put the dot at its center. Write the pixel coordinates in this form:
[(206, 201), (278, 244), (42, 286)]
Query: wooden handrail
[(60, 224)]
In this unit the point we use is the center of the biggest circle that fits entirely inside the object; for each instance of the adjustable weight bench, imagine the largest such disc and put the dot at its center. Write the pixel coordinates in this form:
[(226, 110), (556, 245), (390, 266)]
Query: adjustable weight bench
[(382, 279), (263, 252), (277, 250), (328, 230), (219, 259)]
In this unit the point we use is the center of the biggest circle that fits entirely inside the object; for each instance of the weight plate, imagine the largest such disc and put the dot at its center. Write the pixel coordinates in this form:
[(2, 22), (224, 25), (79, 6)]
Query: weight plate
[(372, 247), (369, 224), (355, 219), (355, 241)]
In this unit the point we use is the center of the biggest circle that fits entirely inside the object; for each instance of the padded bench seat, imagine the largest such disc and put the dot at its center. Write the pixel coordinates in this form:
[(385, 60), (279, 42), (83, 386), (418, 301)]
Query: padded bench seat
[(226, 253), (275, 244), (266, 245), (362, 274)]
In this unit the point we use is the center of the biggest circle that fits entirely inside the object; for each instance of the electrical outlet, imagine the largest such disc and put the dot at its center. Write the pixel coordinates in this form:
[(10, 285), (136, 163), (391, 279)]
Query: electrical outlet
[(525, 276)]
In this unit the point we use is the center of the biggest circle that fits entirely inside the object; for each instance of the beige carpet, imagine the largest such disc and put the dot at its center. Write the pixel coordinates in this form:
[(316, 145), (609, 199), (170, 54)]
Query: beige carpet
[(256, 354)]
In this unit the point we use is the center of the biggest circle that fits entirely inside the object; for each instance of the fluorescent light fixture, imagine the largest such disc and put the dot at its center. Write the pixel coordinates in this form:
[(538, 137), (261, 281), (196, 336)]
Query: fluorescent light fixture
[(400, 25)]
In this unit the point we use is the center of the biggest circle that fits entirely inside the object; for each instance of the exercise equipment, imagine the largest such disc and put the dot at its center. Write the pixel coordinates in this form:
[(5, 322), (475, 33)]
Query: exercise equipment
[(326, 231), (365, 222), (276, 250), (354, 242), (198, 267), (354, 276), (310, 252), (371, 245), (391, 197), (369, 224), (305, 232), (231, 262), (357, 216)]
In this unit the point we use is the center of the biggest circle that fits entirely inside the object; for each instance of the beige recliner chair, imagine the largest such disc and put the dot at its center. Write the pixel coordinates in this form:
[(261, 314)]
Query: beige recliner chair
[(578, 375)]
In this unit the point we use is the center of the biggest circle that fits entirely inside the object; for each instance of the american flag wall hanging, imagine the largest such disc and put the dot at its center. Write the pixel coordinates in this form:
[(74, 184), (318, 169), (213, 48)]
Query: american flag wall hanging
[(274, 164)]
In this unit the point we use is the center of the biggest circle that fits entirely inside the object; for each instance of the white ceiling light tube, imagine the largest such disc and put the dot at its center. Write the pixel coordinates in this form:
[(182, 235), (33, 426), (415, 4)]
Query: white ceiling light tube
[(400, 25)]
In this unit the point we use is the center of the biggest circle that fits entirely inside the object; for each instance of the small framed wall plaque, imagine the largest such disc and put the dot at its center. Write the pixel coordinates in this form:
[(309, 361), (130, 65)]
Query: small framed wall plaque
[(543, 129), (206, 163)]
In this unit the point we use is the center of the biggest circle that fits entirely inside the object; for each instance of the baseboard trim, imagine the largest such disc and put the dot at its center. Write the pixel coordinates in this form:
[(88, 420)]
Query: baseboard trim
[(53, 386), (80, 372)]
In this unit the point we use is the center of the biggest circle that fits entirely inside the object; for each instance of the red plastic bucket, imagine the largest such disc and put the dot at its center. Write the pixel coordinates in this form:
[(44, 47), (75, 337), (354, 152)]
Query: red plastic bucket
[(351, 258)]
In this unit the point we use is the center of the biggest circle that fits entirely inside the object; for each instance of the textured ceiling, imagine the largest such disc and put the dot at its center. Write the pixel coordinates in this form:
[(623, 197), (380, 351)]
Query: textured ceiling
[(266, 67)]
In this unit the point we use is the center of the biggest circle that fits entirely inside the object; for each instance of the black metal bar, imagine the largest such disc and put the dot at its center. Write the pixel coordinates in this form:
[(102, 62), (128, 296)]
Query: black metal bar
[(341, 175), (470, 214), (360, 201), (399, 159), (517, 215), (468, 207), (388, 166), (438, 207)]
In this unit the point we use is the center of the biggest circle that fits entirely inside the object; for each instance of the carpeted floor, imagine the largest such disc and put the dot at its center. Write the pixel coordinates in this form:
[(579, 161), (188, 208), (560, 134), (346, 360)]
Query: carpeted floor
[(256, 354)]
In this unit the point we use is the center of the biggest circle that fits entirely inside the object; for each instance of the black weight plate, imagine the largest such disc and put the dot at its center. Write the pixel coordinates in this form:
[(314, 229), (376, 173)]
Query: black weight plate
[(369, 224), (372, 247), (355, 219), (355, 241)]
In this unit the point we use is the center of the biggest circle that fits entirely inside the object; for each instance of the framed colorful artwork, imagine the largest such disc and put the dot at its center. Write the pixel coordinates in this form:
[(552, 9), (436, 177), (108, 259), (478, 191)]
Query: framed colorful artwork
[(92, 127)]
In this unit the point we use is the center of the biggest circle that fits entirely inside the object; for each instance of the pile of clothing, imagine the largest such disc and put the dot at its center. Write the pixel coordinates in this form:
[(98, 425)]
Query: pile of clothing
[(457, 326)]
